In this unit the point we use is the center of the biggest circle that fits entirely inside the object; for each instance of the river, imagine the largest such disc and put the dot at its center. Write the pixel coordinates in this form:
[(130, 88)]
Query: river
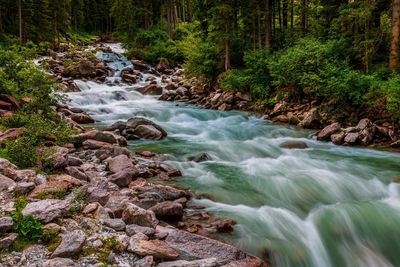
[(322, 206)]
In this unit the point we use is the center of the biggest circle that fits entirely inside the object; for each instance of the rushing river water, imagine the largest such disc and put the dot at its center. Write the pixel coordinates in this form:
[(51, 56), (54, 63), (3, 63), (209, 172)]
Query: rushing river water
[(322, 206)]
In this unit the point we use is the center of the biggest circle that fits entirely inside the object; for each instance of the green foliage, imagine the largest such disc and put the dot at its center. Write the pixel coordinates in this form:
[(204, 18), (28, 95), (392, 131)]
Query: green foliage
[(27, 227)]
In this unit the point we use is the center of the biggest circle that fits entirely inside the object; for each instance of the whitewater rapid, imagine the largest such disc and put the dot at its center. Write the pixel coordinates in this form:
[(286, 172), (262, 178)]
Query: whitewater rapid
[(325, 205)]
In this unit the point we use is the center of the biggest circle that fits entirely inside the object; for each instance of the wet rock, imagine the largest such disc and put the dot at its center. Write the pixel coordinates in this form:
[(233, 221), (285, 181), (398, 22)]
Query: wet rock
[(253, 262), (326, 133), (60, 262), (47, 210), (156, 248), (129, 78), (351, 138), (168, 209), (197, 246), (6, 224), (82, 118), (148, 132), (294, 145), (224, 227), (311, 120), (7, 240), (71, 244), (133, 214), (337, 139), (133, 123), (133, 229), (152, 89), (119, 163), (210, 262), (116, 224), (171, 86)]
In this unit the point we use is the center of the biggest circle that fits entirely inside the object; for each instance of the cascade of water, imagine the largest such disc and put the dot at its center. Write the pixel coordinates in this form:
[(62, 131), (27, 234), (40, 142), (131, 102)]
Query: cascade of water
[(321, 206)]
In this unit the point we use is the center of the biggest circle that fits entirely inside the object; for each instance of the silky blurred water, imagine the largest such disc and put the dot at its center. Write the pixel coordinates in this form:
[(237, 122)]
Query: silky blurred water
[(325, 205)]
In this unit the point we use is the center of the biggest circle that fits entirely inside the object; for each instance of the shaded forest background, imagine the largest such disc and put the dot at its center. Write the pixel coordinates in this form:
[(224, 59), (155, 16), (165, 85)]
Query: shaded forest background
[(343, 51)]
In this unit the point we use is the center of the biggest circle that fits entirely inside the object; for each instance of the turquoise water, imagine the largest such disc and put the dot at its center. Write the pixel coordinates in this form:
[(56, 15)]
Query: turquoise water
[(322, 206)]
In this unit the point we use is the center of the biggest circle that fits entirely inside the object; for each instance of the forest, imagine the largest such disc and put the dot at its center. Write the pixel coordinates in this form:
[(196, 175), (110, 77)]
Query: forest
[(342, 50), (199, 133)]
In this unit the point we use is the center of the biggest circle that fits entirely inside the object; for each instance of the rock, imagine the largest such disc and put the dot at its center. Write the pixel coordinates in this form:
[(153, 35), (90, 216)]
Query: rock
[(47, 210), (133, 229), (60, 157), (49, 188), (12, 133), (171, 86), (7, 184), (395, 144), (74, 161), (75, 172), (6, 224), (95, 194), (292, 119), (89, 208), (97, 135), (124, 177), (93, 144), (133, 214), (280, 118), (82, 118), (168, 209), (253, 262), (197, 246), (148, 132), (367, 135), (337, 139), (60, 262), (7, 240), (116, 224), (5, 164), (224, 227), (152, 89), (133, 123), (129, 78), (210, 262), (71, 244), (294, 145), (351, 138), (117, 204), (119, 163), (326, 133), (136, 239), (156, 248), (11, 100), (139, 64), (311, 120), (364, 123), (66, 178), (24, 187)]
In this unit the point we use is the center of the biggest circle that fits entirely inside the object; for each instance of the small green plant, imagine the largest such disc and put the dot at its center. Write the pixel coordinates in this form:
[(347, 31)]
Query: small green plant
[(112, 244)]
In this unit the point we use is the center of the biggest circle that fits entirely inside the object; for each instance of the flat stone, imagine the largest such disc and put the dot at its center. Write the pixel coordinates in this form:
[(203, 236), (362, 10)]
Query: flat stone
[(253, 262), (119, 163), (156, 248), (133, 240), (132, 229), (168, 209), (71, 244), (47, 210), (116, 224), (210, 262), (326, 133), (60, 262), (294, 145)]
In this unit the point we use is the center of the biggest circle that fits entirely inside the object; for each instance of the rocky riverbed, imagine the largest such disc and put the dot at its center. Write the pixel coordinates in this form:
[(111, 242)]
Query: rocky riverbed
[(106, 205)]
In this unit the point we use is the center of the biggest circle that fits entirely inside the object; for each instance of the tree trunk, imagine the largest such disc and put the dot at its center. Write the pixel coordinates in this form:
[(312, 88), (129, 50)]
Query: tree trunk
[(227, 49), (183, 11), (189, 8), (169, 18), (304, 17), (284, 13), (267, 27), (292, 20), (20, 20), (259, 25), (175, 14), (279, 15), (1, 22), (394, 44)]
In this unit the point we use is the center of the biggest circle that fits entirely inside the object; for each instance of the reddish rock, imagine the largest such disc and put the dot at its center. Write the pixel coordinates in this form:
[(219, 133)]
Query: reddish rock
[(168, 209), (49, 188), (12, 133), (326, 133), (11, 100)]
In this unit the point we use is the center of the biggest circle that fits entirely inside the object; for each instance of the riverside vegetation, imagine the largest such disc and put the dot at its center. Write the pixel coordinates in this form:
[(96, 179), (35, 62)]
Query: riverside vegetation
[(74, 195)]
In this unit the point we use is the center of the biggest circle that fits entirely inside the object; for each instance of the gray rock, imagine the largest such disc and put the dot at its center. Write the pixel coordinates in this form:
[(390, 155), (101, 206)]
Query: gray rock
[(7, 240), (6, 224), (75, 172), (119, 163), (7, 184), (117, 204), (311, 120), (132, 229), (116, 224), (168, 209), (71, 244), (337, 139), (124, 177), (60, 262), (351, 138), (47, 210), (364, 123), (210, 262), (4, 163), (133, 214), (196, 246), (326, 133), (24, 187), (96, 194), (366, 135), (148, 132)]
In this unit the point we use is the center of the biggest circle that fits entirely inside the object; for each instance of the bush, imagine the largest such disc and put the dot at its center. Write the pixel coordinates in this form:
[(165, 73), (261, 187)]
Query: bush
[(390, 91)]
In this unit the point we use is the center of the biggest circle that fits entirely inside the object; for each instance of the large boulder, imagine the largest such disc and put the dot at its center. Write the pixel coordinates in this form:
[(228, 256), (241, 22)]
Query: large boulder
[(119, 163), (156, 248), (133, 214), (168, 209), (82, 118), (71, 244), (102, 136), (152, 89), (199, 247), (311, 120), (47, 210), (146, 129), (326, 133)]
